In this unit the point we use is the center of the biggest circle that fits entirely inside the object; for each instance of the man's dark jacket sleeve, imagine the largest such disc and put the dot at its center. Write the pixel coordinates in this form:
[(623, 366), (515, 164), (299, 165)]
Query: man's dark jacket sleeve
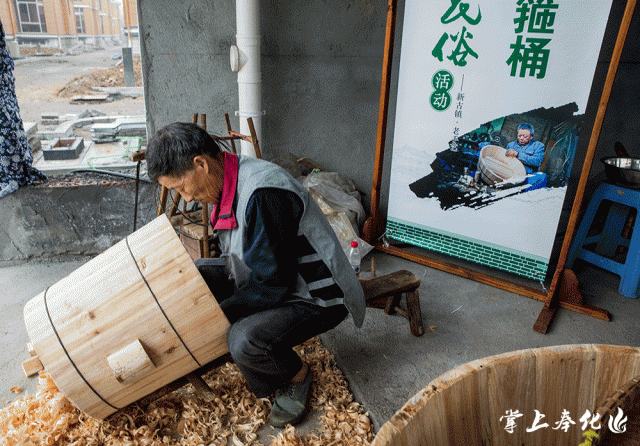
[(273, 217)]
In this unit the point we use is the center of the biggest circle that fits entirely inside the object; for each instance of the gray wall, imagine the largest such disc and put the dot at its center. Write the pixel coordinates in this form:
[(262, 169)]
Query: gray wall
[(321, 70), (49, 221), (185, 51)]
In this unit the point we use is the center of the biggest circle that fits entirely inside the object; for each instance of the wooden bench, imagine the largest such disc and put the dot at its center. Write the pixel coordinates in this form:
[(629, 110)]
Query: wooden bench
[(386, 292)]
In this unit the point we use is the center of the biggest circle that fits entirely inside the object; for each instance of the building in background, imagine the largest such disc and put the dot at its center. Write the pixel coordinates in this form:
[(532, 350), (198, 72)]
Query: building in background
[(64, 23)]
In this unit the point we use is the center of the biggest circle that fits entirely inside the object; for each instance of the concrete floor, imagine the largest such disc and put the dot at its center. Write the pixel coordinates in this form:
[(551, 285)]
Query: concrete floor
[(384, 363), (387, 366)]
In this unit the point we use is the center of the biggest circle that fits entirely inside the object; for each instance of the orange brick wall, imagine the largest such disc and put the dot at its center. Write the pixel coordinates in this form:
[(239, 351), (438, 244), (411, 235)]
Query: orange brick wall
[(61, 21)]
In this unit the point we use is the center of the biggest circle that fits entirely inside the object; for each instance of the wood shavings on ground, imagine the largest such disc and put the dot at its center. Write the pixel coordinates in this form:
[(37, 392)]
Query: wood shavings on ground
[(233, 417)]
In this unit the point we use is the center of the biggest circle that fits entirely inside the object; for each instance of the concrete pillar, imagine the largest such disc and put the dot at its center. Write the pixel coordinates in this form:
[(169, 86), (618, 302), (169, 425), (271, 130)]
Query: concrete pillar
[(127, 63), (14, 49)]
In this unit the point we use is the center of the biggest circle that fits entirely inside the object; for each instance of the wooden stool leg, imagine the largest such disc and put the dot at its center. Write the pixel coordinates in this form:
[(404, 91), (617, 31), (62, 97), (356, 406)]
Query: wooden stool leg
[(202, 388), (392, 303), (415, 315)]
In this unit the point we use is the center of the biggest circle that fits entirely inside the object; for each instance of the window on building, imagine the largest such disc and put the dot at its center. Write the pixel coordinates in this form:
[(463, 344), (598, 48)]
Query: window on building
[(30, 16), (79, 19)]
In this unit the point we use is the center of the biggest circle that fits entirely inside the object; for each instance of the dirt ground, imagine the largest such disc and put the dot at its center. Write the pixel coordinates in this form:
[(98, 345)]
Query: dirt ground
[(107, 77), (46, 83)]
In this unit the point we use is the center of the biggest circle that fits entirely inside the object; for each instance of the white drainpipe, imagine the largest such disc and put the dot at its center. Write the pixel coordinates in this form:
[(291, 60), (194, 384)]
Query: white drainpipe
[(245, 59)]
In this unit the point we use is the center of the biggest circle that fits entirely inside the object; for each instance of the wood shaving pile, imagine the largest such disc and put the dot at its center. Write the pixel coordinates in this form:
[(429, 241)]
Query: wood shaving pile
[(182, 418), (108, 77)]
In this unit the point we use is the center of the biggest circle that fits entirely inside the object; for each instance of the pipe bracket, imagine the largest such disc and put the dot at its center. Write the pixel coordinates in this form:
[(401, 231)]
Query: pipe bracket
[(234, 55)]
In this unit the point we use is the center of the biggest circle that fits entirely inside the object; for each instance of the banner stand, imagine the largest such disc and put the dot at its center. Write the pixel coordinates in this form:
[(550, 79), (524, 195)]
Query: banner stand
[(563, 291)]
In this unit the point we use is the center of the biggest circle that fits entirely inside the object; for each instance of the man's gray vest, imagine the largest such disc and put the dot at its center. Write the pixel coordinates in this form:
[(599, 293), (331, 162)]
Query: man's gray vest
[(316, 242)]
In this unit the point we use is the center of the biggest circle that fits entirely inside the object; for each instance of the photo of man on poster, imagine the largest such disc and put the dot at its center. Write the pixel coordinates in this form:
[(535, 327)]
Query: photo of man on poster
[(526, 148)]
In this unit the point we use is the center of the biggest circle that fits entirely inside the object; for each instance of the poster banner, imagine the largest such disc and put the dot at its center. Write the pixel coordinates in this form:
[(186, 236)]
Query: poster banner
[(491, 100)]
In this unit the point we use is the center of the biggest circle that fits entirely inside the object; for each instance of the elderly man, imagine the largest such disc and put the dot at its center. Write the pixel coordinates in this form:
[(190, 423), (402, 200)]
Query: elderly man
[(527, 149), (290, 278)]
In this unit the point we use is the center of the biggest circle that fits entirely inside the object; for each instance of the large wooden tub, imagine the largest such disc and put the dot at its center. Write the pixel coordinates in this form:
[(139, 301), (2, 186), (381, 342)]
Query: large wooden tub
[(495, 166), (471, 404), (133, 319)]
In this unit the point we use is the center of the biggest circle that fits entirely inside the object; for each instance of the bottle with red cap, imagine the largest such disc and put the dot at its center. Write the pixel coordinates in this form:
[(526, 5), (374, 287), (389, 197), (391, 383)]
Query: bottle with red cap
[(354, 257)]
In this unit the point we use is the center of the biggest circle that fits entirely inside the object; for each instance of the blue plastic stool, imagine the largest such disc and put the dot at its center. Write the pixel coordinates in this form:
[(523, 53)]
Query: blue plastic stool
[(607, 241)]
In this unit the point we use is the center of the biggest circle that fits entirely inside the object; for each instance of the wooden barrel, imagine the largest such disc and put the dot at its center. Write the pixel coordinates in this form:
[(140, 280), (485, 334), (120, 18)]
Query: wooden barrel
[(493, 401), (617, 420), (495, 166), (126, 323)]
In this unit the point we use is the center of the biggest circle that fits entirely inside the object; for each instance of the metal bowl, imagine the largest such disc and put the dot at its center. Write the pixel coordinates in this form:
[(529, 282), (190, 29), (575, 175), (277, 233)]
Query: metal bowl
[(624, 171)]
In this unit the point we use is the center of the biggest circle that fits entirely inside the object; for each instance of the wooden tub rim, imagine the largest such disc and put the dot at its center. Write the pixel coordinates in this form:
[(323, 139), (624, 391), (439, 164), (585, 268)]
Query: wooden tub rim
[(399, 421), (494, 177)]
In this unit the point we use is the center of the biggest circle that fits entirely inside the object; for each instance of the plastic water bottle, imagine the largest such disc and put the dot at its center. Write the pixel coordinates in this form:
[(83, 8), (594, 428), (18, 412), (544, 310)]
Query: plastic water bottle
[(354, 257)]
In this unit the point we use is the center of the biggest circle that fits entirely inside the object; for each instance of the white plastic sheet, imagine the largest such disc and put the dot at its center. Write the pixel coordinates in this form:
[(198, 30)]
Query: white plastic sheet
[(339, 201)]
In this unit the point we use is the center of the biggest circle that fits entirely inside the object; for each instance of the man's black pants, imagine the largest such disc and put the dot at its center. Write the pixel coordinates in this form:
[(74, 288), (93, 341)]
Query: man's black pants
[(261, 344)]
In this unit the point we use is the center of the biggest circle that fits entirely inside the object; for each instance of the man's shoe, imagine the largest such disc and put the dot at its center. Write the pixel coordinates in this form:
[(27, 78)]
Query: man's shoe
[(292, 403)]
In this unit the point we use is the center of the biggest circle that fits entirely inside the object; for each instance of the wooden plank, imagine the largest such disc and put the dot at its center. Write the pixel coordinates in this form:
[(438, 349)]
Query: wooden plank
[(90, 98), (544, 319), (463, 272), (194, 231), (523, 290), (506, 384), (203, 121), (230, 138), (31, 366), (564, 377), (254, 138), (372, 228), (615, 365), (462, 407)]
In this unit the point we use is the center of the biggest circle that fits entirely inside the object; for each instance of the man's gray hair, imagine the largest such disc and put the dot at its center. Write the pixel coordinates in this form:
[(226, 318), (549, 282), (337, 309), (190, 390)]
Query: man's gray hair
[(526, 126), (172, 149)]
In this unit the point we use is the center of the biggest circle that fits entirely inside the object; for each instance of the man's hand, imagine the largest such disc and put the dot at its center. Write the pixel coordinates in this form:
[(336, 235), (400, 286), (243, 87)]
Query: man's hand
[(511, 152)]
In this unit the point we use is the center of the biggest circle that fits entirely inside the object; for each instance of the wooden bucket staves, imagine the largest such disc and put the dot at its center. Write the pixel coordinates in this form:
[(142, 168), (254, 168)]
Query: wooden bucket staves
[(617, 420), (131, 320), (495, 166), (475, 403)]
